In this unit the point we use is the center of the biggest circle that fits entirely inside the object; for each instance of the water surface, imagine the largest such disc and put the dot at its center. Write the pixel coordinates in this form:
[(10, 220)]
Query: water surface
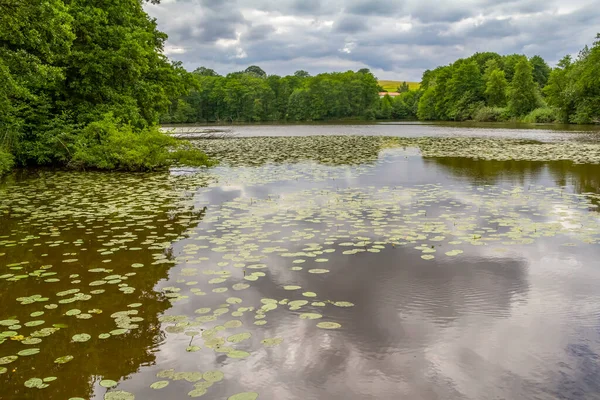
[(442, 278)]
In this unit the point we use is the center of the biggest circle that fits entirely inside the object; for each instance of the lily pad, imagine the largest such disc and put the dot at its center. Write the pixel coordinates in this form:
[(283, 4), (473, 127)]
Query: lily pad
[(108, 383), (64, 359), (119, 395), (329, 325), (244, 396), (213, 376), (28, 352), (159, 385), (272, 342), (82, 337)]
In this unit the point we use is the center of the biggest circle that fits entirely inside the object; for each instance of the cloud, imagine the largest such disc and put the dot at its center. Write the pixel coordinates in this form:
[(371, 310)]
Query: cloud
[(397, 39)]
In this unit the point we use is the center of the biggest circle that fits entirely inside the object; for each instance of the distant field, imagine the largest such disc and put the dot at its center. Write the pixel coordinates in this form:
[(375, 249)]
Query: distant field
[(392, 86)]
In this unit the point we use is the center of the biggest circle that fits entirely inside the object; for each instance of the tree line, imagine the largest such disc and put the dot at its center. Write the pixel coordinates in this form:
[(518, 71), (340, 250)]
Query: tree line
[(252, 96), (83, 84), (484, 87)]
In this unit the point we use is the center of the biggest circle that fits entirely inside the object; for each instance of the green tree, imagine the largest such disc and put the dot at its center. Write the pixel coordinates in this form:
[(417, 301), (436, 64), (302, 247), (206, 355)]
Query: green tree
[(465, 90), (495, 89), (256, 71), (523, 96), (403, 87), (541, 70)]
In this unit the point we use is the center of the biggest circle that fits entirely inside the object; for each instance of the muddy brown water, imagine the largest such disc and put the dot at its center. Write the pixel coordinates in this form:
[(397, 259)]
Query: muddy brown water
[(446, 278)]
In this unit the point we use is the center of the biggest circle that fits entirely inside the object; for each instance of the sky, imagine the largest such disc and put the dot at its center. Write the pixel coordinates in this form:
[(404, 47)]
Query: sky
[(396, 39)]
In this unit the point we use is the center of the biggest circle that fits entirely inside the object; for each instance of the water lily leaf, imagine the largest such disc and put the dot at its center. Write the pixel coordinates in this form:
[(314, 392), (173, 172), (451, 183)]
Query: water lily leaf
[(3, 370), (64, 359), (213, 376), (244, 396), (197, 392), (240, 337), (193, 349), (232, 324), (238, 354), (50, 379), (310, 316), (28, 352), (34, 383), (108, 383), (82, 337), (318, 271), (272, 342), (343, 304), (119, 395), (329, 325), (159, 385)]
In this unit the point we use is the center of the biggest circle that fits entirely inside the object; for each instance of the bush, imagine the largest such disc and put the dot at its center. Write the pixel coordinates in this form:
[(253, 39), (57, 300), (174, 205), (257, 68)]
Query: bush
[(109, 145), (492, 114), (543, 115), (6, 162)]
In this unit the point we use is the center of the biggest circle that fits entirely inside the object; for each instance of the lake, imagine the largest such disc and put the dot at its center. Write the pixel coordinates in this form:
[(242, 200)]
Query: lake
[(389, 261)]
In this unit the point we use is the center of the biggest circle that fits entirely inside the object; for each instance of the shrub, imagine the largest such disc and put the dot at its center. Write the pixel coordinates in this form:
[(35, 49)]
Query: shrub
[(491, 114), (6, 162), (543, 115), (109, 145)]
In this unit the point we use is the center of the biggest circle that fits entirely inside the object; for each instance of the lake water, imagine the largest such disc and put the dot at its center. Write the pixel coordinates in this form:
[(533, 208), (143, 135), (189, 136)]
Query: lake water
[(342, 268)]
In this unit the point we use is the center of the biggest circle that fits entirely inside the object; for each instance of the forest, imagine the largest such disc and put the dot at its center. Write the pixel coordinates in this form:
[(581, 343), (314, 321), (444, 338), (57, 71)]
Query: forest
[(82, 84), (485, 87)]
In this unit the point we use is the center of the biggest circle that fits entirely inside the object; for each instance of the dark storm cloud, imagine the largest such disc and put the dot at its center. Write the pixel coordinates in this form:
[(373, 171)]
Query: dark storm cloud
[(395, 38)]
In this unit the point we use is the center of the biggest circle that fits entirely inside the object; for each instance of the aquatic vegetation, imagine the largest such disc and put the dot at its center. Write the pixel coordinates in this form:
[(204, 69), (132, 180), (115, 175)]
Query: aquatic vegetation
[(125, 263)]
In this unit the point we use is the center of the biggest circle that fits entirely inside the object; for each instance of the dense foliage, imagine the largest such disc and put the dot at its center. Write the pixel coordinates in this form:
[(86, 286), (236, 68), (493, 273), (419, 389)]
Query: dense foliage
[(490, 87), (66, 65), (483, 87), (251, 95)]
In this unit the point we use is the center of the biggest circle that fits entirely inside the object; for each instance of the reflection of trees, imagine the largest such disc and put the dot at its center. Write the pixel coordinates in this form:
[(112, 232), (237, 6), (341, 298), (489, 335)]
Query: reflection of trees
[(487, 171), (582, 177), (89, 236)]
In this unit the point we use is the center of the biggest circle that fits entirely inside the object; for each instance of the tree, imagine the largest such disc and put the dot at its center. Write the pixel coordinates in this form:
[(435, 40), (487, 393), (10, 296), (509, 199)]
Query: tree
[(203, 71), (301, 74), (256, 71), (541, 70), (403, 87), (79, 76), (495, 89), (523, 90), (465, 90)]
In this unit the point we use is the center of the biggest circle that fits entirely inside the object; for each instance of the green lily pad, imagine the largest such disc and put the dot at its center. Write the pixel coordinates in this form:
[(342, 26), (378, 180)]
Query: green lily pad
[(119, 395), (272, 342), (240, 337), (343, 304), (238, 354), (329, 325), (233, 324), (82, 337), (197, 392), (244, 396), (310, 316), (108, 383), (34, 383), (213, 376), (159, 385), (64, 359), (28, 352)]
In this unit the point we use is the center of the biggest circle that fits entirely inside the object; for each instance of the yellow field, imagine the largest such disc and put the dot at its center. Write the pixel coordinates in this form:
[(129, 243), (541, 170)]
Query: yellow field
[(392, 86)]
